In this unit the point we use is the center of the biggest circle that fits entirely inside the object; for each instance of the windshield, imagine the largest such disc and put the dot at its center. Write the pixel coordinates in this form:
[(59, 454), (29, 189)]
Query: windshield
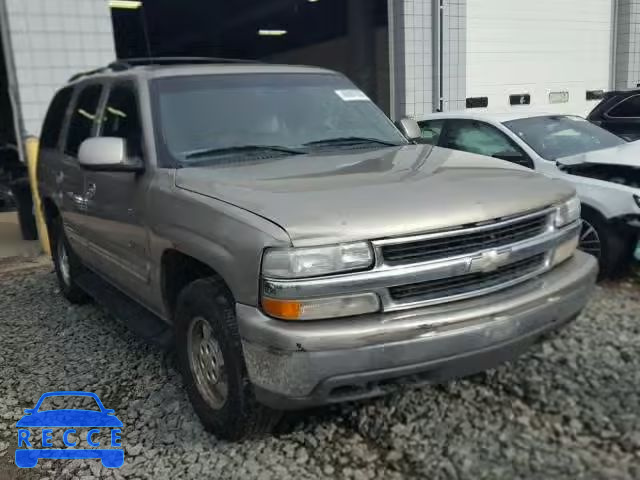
[(210, 115), (560, 136)]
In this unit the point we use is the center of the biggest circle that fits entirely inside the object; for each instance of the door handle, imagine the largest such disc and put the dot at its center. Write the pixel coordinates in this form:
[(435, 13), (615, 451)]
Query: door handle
[(90, 192)]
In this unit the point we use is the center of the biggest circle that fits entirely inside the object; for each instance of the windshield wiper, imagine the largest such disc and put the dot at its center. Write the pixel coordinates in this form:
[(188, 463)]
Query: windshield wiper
[(350, 141), (209, 152)]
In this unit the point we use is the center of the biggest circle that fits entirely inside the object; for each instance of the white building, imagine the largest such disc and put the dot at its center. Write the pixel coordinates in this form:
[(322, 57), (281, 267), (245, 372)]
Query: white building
[(563, 51)]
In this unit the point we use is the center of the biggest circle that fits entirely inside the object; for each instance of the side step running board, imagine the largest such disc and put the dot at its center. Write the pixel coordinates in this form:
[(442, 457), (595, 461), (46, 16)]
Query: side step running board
[(137, 318)]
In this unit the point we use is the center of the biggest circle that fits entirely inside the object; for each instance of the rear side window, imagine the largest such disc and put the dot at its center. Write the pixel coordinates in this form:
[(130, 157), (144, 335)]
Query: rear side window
[(629, 108), (83, 118), (52, 126), (121, 118)]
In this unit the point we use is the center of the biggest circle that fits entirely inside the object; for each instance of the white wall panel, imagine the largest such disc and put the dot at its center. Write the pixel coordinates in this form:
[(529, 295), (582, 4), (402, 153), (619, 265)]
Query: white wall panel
[(536, 47), (51, 41)]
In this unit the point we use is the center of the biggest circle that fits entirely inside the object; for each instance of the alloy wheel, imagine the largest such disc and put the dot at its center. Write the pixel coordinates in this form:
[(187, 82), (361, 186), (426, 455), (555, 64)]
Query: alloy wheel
[(590, 240)]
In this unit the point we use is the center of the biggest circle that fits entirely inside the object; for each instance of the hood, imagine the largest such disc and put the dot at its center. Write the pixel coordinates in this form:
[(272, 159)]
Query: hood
[(374, 194), (69, 418), (627, 154)]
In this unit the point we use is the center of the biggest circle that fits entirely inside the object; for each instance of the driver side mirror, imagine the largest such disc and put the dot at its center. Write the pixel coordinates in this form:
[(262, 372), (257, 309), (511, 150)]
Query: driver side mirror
[(107, 154), (410, 129)]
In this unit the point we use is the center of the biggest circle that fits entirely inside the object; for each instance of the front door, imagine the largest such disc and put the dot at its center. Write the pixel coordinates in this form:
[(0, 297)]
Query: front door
[(115, 201), (68, 174)]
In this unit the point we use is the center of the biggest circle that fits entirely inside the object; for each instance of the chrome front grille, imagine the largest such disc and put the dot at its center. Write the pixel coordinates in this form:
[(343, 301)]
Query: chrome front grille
[(445, 288), (463, 241), (445, 266)]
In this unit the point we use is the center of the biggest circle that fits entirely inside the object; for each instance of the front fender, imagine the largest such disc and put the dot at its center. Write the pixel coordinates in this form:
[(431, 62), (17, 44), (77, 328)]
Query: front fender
[(228, 239)]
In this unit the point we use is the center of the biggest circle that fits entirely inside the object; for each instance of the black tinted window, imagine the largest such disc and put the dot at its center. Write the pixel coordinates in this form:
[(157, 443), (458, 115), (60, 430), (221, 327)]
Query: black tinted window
[(122, 119), (83, 118), (628, 108), (52, 126)]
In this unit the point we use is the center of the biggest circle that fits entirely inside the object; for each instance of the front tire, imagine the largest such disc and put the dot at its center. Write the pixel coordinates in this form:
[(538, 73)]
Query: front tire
[(610, 244), (67, 265), (212, 363)]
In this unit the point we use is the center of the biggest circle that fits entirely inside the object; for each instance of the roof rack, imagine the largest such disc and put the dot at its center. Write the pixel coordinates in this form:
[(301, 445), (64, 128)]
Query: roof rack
[(86, 74), (128, 63)]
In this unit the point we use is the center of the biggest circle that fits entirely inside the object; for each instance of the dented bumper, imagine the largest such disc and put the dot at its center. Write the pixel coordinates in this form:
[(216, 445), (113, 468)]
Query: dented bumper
[(296, 365)]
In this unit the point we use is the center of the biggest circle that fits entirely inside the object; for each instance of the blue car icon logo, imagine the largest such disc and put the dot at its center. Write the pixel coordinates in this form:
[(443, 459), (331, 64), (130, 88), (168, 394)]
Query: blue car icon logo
[(69, 420)]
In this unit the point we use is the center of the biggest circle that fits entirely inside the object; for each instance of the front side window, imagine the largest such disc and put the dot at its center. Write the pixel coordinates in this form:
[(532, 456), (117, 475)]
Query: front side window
[(558, 136), (289, 111), (431, 130), (83, 118), (121, 118), (52, 126), (477, 137), (629, 108)]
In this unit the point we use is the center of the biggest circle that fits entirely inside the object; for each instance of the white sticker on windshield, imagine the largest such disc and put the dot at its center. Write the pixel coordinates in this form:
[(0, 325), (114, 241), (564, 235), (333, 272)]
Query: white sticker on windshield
[(352, 95)]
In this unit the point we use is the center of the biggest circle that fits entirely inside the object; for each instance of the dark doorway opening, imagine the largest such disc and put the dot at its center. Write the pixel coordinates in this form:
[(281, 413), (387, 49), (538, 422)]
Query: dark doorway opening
[(350, 36), (15, 191), (10, 164)]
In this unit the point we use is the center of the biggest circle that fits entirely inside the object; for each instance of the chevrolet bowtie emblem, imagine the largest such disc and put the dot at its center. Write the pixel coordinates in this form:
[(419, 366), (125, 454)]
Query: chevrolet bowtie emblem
[(490, 261)]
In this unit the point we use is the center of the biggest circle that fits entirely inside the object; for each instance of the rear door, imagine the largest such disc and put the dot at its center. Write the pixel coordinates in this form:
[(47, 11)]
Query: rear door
[(623, 118), (51, 156), (114, 223), (69, 176)]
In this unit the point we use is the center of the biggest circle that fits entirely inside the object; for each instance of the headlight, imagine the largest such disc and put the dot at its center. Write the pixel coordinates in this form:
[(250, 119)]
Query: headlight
[(318, 308), (316, 261), (568, 212)]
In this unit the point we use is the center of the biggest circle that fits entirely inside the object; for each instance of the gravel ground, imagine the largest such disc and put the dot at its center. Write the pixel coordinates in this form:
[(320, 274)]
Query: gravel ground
[(568, 409)]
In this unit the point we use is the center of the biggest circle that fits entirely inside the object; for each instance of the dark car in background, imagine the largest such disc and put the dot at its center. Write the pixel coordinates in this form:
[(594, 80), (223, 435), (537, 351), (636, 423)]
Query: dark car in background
[(619, 112)]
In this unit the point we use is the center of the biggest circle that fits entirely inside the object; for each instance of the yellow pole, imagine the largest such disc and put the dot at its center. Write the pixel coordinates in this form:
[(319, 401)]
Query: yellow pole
[(32, 145)]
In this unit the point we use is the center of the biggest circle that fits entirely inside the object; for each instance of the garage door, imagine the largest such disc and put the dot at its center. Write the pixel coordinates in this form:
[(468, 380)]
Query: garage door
[(547, 49)]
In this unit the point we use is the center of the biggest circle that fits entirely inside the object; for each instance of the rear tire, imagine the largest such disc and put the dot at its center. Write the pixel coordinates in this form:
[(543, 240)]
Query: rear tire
[(212, 363), (67, 265), (616, 244)]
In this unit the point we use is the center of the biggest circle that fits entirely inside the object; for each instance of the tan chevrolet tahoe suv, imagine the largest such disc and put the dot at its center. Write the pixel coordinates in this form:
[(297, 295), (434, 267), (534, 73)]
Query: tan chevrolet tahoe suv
[(297, 247)]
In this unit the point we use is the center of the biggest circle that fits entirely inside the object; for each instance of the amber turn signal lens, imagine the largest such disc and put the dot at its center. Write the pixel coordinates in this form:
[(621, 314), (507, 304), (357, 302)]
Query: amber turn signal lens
[(321, 308), (284, 309)]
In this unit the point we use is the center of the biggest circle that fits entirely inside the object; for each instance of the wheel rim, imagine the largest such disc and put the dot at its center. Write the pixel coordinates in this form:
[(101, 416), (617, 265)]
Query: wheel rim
[(207, 363), (63, 262), (590, 240)]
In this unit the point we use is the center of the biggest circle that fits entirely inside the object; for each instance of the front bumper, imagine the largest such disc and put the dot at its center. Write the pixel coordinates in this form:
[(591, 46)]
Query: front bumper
[(301, 364)]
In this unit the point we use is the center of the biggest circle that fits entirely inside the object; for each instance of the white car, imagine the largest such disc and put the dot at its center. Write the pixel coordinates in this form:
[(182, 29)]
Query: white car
[(603, 168)]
